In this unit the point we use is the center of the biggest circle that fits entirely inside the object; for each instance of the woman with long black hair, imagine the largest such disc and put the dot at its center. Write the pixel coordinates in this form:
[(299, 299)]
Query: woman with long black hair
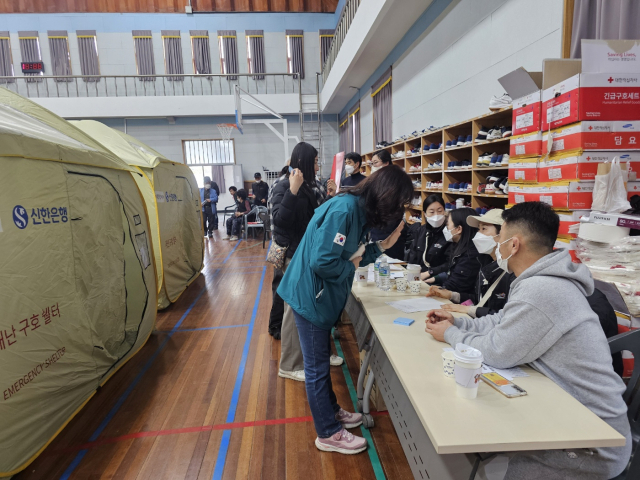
[(319, 279), (460, 272), (293, 202)]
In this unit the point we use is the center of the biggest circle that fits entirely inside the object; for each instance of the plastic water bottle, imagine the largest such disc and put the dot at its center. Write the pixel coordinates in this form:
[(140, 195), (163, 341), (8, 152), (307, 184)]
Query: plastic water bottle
[(384, 274), (376, 270)]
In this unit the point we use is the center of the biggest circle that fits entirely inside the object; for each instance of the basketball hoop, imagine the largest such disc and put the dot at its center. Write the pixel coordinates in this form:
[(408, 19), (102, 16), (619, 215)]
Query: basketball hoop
[(226, 129)]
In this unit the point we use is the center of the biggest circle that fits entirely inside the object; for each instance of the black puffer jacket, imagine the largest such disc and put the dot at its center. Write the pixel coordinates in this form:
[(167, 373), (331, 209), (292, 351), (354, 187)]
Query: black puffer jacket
[(291, 214), (489, 273), (437, 247), (460, 273)]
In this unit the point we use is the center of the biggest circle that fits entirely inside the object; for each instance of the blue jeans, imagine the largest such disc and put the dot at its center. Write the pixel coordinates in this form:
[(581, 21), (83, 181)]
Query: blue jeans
[(316, 351)]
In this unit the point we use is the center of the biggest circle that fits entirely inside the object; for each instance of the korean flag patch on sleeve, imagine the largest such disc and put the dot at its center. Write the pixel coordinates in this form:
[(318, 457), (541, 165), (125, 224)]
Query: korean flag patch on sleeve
[(340, 239)]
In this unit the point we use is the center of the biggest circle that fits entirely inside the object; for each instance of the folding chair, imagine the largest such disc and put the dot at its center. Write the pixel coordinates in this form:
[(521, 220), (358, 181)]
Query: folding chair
[(631, 341), (227, 212), (255, 211)]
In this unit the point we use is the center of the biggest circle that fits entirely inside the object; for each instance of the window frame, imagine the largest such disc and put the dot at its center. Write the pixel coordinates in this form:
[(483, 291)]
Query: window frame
[(184, 151), (288, 53)]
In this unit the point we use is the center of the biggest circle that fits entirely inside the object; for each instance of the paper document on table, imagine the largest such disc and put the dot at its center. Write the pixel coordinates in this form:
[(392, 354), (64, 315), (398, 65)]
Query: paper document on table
[(414, 305), (395, 268), (508, 373), (397, 275), (394, 260)]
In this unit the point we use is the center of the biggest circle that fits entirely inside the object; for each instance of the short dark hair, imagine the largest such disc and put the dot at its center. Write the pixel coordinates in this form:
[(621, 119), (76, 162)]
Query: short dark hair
[(384, 194), (537, 221), (384, 156), (432, 199), (354, 157), (257, 175), (459, 218), (233, 188), (242, 193), (303, 158)]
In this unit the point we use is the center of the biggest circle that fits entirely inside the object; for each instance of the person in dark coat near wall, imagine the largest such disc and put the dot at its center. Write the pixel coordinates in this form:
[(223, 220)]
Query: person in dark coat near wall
[(260, 191)]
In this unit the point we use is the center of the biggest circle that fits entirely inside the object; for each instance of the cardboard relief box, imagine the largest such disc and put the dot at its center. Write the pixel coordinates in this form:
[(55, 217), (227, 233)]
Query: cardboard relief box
[(523, 170), (583, 166), (609, 135), (524, 88), (563, 195), (526, 145), (604, 85)]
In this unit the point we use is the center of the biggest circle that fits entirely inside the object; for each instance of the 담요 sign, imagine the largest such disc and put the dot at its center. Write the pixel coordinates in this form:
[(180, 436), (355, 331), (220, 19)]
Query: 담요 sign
[(336, 169)]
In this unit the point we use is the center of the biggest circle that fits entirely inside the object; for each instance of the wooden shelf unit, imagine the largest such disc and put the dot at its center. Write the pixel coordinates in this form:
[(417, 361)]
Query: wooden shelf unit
[(474, 175)]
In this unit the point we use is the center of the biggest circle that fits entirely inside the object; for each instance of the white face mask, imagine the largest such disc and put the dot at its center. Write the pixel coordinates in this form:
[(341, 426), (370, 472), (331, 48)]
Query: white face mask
[(484, 243), (375, 169), (503, 263), (349, 169), (207, 186), (448, 236), (436, 221)]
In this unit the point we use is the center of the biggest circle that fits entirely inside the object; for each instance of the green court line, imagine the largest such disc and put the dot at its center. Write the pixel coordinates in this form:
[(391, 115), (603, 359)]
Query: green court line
[(373, 454)]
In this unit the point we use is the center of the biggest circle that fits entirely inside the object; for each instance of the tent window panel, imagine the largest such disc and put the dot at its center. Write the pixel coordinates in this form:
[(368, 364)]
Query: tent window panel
[(209, 152)]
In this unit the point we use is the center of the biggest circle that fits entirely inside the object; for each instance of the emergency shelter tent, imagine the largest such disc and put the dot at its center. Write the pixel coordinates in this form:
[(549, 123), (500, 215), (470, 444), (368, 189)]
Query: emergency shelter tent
[(171, 193), (77, 280)]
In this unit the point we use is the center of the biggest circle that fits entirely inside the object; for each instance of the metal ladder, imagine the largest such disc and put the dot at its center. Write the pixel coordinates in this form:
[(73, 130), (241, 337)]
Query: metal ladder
[(311, 120)]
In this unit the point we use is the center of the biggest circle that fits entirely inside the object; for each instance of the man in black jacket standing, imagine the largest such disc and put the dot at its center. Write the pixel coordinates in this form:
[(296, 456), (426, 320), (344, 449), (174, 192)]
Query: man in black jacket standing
[(260, 191)]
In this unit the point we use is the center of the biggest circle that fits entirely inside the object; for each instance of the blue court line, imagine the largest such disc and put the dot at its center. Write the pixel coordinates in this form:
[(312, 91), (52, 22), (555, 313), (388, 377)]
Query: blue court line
[(204, 328), (371, 451), (226, 435), (76, 461), (231, 252)]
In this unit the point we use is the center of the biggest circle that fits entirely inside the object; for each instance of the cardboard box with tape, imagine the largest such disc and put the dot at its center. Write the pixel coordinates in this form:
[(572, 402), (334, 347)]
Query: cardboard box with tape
[(524, 88), (623, 135)]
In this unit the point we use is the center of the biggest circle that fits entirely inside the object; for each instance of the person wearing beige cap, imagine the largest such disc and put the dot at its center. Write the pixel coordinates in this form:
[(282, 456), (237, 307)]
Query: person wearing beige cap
[(493, 283)]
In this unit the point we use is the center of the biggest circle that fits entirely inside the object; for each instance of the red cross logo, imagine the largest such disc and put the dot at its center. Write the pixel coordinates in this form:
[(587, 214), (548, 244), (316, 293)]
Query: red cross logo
[(590, 128), (579, 189), (588, 158), (610, 79)]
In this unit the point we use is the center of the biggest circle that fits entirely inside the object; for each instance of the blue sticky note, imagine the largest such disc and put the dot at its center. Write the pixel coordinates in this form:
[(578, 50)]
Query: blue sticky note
[(403, 321)]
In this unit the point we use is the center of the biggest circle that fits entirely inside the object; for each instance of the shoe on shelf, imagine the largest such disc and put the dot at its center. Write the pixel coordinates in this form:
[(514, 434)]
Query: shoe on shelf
[(494, 160), (496, 103), (342, 442), (297, 375), (469, 188), (461, 141), (494, 134), (480, 190), (489, 189), (448, 207), (455, 187), (349, 420), (466, 164), (450, 143), (506, 131), (434, 146), (505, 187), (505, 159), (426, 148), (468, 140), (482, 134)]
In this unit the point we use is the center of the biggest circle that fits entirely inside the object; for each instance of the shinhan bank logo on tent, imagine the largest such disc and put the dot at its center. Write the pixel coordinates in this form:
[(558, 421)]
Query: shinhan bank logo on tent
[(20, 217), (162, 197)]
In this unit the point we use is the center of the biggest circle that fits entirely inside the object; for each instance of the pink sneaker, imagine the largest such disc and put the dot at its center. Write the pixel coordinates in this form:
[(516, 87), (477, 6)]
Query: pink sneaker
[(342, 442), (349, 420)]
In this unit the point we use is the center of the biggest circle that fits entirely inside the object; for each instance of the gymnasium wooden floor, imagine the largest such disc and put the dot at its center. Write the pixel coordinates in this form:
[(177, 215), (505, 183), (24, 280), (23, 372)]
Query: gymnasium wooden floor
[(203, 400)]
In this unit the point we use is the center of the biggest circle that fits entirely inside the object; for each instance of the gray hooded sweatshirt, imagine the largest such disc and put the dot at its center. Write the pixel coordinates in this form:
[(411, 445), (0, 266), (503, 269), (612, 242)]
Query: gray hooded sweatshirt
[(548, 323)]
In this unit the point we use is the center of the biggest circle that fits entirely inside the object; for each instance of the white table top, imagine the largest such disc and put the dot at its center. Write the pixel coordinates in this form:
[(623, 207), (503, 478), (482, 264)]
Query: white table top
[(546, 418)]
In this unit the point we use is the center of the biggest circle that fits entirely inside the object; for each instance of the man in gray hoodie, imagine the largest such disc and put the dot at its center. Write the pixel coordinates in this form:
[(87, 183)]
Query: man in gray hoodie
[(548, 323)]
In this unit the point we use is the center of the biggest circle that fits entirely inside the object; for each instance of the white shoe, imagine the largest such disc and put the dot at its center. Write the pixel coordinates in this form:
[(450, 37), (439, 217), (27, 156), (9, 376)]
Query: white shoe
[(497, 103), (233, 238), (226, 237), (336, 361), (298, 375)]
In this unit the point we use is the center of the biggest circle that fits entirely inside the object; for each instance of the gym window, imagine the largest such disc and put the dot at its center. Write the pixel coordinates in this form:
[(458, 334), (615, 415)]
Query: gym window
[(209, 152)]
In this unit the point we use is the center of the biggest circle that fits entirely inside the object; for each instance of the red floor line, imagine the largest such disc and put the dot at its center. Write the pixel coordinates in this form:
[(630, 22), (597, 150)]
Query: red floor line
[(178, 431)]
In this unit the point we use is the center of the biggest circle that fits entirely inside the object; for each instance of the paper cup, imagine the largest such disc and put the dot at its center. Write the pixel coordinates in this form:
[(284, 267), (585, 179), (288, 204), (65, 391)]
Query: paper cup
[(448, 364), (415, 287), (361, 276), (467, 370), (401, 284), (413, 273)]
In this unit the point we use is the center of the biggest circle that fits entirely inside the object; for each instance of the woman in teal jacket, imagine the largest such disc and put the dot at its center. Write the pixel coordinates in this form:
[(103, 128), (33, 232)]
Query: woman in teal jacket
[(319, 279)]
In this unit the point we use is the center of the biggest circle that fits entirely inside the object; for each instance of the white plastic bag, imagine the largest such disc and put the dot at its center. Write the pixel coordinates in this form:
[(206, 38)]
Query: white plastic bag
[(609, 192)]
